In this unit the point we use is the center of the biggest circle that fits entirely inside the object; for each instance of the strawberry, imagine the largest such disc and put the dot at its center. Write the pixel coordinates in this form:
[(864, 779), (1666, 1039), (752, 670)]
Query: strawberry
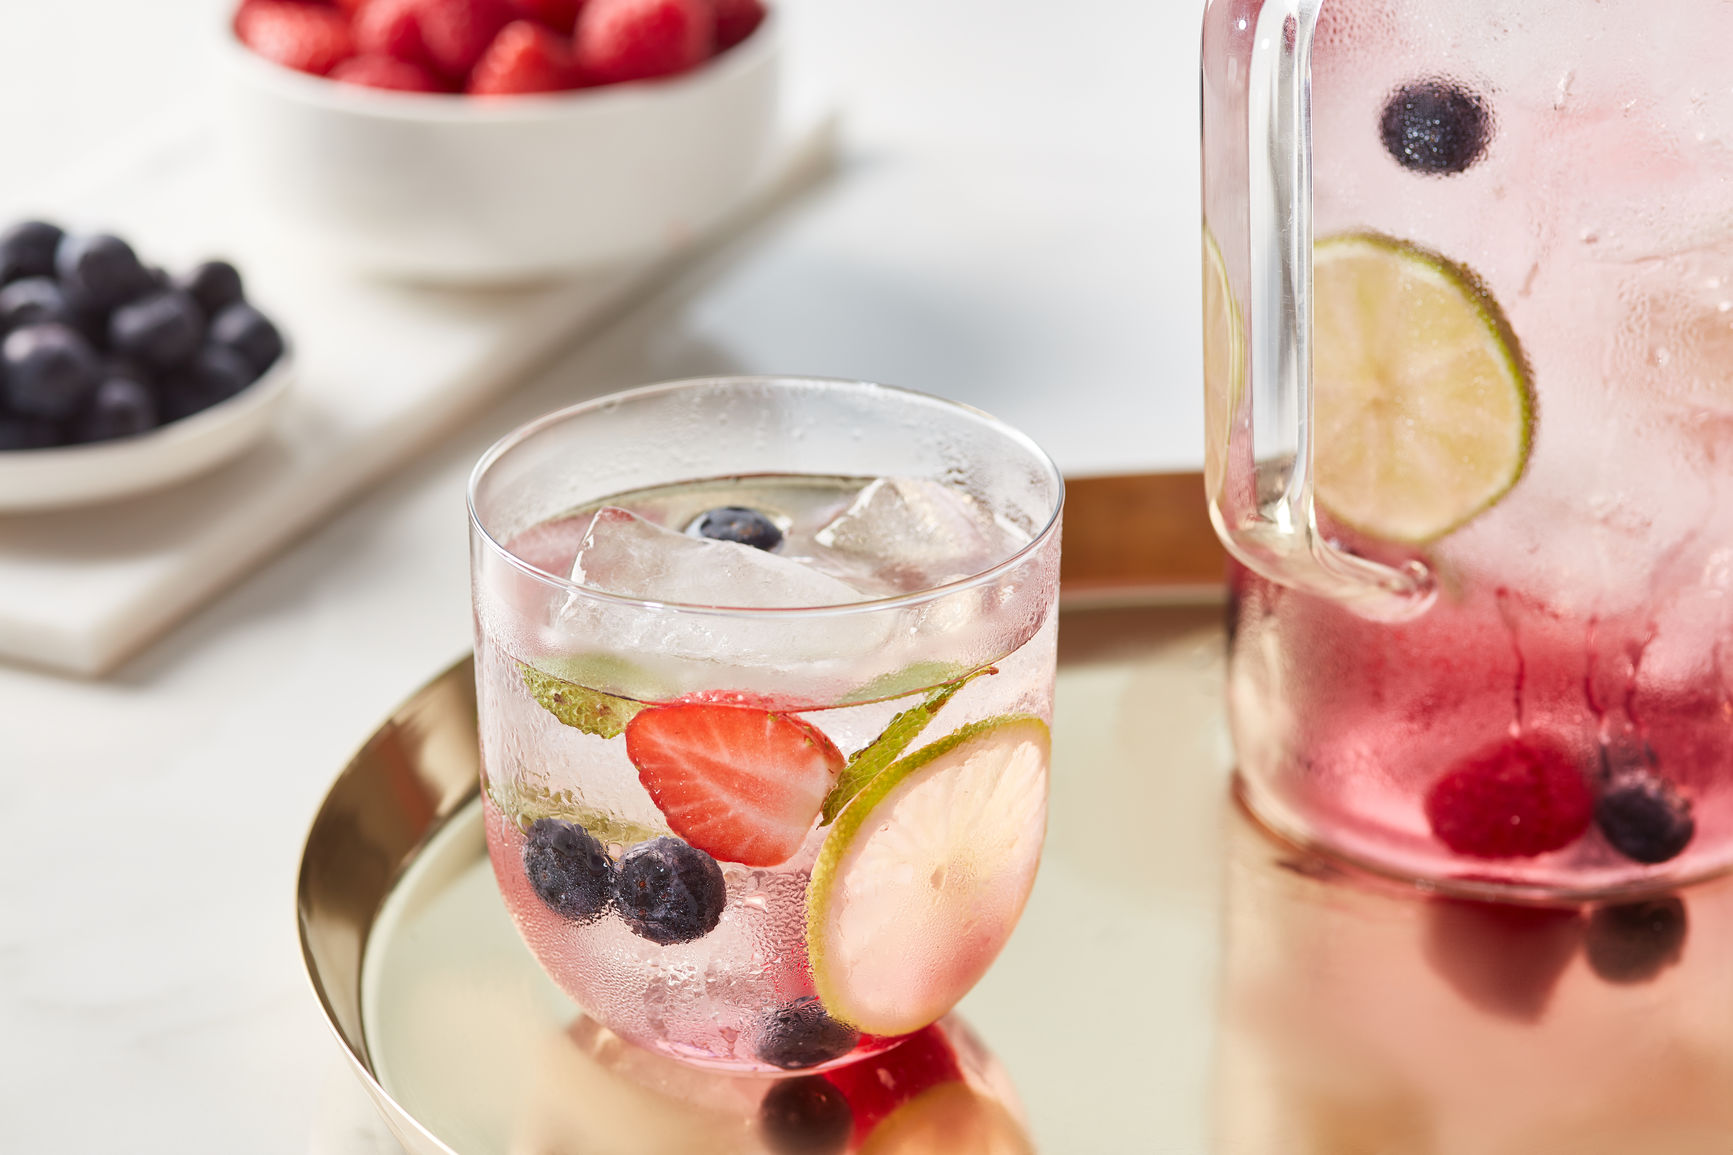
[(392, 28), (744, 785), (457, 32), (621, 40), (560, 15), (305, 37), (524, 57), (776, 703), (879, 1084), (352, 7), (386, 72), (736, 20), (1517, 799)]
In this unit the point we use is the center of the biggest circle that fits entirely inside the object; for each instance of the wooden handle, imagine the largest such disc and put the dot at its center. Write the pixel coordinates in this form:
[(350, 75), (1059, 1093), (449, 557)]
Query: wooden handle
[(1139, 537)]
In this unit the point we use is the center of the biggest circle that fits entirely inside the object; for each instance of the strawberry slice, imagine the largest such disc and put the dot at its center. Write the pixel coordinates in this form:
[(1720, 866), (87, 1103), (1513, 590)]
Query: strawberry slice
[(877, 1085), (742, 784)]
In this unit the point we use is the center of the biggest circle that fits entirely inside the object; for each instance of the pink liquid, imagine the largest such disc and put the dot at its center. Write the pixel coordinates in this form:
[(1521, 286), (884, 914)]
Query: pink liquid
[(1346, 724), (1591, 606)]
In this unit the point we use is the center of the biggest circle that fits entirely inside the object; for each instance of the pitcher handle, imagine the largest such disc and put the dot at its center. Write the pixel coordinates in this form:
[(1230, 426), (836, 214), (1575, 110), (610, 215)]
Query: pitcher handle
[(1261, 491)]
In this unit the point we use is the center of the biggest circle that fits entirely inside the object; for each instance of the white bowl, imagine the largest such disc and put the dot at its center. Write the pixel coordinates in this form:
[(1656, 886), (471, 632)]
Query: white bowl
[(42, 479), (455, 189)]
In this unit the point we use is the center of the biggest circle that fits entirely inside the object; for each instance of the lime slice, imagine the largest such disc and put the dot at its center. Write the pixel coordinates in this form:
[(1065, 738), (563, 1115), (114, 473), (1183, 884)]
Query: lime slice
[(1422, 409), (925, 873), (950, 1119), (1224, 364)]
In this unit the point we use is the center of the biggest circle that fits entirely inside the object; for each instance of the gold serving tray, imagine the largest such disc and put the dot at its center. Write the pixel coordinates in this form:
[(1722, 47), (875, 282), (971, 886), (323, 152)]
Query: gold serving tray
[(1181, 983), (395, 869)]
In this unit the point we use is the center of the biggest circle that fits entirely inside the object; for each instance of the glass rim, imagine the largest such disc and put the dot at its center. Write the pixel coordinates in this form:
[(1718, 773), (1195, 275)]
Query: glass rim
[(523, 433)]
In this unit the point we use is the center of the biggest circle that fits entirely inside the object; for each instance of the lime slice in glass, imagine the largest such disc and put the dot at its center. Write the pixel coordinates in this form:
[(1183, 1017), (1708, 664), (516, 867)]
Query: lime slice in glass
[(924, 874), (1422, 410), (1224, 363), (951, 1118)]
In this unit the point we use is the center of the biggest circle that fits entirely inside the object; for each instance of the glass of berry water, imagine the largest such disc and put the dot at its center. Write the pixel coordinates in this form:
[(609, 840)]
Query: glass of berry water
[(1468, 273), (765, 673)]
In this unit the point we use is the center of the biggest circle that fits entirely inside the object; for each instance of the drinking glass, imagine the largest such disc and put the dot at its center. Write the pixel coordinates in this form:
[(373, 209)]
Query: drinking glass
[(1468, 272), (765, 672)]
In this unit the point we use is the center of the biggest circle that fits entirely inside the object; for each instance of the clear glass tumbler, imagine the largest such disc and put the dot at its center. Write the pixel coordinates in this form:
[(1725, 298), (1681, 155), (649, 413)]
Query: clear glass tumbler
[(765, 671)]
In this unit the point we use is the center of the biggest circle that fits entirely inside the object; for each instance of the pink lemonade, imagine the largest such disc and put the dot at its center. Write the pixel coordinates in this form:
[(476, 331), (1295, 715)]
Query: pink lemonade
[(751, 845), (1522, 349)]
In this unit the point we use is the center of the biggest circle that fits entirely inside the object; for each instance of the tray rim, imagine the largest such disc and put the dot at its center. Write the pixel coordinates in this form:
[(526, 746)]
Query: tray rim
[(403, 721)]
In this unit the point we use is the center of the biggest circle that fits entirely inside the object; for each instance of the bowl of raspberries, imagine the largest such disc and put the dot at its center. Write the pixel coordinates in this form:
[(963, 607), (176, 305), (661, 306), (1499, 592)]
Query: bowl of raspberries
[(118, 377), (495, 141)]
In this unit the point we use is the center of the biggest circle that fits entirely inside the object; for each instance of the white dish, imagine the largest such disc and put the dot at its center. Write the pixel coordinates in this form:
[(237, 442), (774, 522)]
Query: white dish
[(42, 479), (461, 190)]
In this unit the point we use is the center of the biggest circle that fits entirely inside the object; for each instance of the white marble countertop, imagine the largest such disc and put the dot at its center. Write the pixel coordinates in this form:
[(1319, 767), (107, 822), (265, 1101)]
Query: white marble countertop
[(1015, 227)]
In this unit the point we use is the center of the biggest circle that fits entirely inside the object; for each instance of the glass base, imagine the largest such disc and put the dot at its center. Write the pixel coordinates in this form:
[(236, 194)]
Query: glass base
[(1478, 880)]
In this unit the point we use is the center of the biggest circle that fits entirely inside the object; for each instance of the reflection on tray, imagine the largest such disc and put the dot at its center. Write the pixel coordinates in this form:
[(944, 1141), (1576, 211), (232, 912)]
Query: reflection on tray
[(1366, 1018), (939, 1093), (469, 1036)]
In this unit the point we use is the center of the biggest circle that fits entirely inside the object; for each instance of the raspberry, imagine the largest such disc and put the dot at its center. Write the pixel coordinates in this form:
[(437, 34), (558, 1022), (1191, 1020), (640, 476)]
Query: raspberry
[(736, 20), (524, 57), (457, 32), (305, 37), (560, 15), (386, 72), (621, 40), (391, 28), (1514, 800)]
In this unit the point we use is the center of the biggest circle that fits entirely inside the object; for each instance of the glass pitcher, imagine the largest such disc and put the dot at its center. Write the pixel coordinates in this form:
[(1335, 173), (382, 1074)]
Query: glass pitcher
[(1468, 277)]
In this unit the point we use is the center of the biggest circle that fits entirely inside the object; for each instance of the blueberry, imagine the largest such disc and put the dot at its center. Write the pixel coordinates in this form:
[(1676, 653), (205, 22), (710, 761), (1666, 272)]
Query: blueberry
[(100, 271), (738, 524), (162, 329), (27, 250), (1645, 819), (33, 300), (568, 869), (1435, 127), (249, 332), (215, 374), (20, 432), (49, 370), (802, 1034), (120, 407), (119, 366), (215, 285), (669, 891), (1632, 942), (805, 1116)]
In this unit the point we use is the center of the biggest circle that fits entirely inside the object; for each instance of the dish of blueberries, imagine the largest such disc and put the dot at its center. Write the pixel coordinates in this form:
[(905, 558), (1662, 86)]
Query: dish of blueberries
[(103, 359), (98, 346)]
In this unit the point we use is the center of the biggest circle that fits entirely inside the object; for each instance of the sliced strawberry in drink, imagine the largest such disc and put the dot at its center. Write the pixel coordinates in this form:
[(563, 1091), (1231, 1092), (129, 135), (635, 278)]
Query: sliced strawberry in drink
[(742, 784), (878, 1085)]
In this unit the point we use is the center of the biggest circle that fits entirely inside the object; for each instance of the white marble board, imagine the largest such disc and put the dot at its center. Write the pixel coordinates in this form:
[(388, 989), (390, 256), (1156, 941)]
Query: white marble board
[(383, 371)]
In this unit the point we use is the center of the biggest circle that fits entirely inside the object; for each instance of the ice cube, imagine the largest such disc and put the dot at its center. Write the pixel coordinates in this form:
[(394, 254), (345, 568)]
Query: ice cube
[(624, 554), (680, 649), (916, 533)]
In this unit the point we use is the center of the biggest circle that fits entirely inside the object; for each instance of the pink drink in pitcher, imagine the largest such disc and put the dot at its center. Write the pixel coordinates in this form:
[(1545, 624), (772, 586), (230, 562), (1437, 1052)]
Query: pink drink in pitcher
[(1476, 444)]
